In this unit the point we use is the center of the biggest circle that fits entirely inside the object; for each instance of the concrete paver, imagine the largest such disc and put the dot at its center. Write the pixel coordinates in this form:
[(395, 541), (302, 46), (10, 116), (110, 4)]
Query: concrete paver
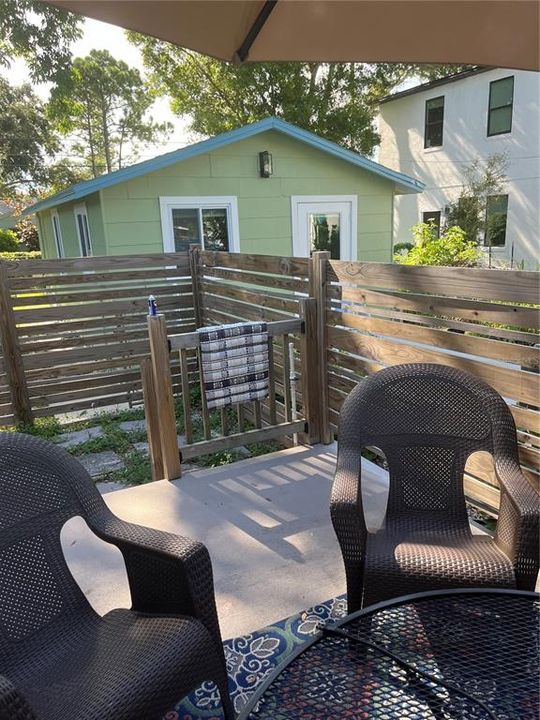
[(97, 464), (132, 425), (69, 440)]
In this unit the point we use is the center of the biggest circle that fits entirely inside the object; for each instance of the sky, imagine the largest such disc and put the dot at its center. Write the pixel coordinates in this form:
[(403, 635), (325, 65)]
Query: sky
[(101, 36)]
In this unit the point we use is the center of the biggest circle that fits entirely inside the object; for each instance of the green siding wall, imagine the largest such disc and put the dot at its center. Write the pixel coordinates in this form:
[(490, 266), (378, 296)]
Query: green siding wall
[(125, 219), (131, 210), (68, 229)]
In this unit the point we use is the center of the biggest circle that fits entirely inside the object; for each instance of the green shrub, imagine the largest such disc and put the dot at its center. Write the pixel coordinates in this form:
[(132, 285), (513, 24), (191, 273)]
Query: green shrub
[(452, 248), (8, 241), (20, 255)]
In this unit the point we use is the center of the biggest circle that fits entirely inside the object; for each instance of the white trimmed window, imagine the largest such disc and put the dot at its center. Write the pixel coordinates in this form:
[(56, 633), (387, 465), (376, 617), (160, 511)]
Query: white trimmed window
[(57, 233), (83, 230), (211, 222)]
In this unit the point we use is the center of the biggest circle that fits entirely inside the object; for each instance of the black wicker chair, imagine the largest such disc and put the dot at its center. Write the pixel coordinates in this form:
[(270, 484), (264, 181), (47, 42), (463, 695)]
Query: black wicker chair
[(427, 420), (58, 658)]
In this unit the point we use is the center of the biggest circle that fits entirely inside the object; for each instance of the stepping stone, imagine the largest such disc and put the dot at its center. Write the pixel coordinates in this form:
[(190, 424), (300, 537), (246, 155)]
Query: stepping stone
[(107, 487), (142, 447), (98, 464), (132, 425), (69, 440)]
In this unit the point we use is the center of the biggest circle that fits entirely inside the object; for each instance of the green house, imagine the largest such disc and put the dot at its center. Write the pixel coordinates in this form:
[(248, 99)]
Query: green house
[(268, 188)]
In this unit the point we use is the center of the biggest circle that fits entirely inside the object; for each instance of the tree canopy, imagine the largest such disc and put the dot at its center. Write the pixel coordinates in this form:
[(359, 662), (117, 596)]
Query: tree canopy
[(39, 33), (26, 139), (101, 104), (337, 101)]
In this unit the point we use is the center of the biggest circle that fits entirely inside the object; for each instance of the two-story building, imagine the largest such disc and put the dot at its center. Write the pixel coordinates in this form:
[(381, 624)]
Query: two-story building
[(434, 131)]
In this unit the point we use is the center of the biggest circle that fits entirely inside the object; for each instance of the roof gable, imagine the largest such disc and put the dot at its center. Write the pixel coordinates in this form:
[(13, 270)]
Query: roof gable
[(403, 182)]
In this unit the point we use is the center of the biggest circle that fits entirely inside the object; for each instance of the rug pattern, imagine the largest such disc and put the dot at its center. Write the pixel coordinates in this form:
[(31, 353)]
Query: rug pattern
[(251, 658)]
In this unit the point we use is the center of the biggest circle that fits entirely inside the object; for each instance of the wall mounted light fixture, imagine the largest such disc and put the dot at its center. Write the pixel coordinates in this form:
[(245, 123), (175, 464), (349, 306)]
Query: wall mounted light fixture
[(265, 164)]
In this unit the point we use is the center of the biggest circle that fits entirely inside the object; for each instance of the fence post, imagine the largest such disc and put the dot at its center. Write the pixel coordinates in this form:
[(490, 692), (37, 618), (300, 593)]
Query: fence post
[(194, 264), (319, 266), (159, 350), (20, 399), (310, 373), (152, 419)]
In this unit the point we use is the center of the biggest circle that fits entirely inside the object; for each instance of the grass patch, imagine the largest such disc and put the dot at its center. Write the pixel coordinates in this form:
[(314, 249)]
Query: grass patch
[(138, 470), (46, 427)]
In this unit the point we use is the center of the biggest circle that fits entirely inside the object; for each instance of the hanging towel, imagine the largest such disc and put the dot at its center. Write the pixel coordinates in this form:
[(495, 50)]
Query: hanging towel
[(234, 363)]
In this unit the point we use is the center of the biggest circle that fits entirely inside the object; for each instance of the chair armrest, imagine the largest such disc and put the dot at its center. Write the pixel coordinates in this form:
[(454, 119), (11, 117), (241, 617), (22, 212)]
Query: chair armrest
[(168, 574), (517, 532), (346, 508), (13, 705)]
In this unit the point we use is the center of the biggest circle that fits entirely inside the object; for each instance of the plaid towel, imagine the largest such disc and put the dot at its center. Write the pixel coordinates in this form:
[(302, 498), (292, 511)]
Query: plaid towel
[(234, 363)]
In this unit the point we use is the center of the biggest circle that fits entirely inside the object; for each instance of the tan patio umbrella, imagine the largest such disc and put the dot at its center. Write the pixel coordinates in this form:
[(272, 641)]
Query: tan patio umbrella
[(503, 33)]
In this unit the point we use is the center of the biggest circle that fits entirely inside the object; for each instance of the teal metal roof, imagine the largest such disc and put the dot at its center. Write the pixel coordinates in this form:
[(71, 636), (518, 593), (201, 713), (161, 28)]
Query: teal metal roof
[(404, 183)]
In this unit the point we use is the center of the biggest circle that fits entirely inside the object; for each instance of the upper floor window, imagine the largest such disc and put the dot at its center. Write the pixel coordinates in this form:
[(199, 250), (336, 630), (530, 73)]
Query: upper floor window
[(57, 232), (434, 217), (496, 214), (433, 131), (83, 230), (501, 100)]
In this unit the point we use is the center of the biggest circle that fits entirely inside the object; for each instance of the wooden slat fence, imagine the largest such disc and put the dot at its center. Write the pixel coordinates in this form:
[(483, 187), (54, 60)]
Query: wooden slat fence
[(75, 329), (234, 288), (482, 321)]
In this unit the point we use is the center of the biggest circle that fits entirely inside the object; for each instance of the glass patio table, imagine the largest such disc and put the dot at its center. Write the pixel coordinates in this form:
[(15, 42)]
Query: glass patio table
[(445, 655)]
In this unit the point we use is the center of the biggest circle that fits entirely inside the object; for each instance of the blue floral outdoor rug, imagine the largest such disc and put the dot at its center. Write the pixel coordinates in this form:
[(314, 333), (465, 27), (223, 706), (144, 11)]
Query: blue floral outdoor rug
[(252, 657)]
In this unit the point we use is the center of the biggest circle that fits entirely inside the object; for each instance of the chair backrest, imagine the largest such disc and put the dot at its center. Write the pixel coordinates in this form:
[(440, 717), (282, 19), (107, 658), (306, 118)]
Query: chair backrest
[(41, 487), (427, 419)]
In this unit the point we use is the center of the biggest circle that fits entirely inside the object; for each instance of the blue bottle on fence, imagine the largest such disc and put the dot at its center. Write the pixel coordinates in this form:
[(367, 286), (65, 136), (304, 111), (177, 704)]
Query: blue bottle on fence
[(152, 305)]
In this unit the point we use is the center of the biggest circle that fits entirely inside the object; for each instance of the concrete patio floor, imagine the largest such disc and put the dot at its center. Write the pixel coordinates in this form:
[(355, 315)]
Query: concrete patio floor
[(265, 521)]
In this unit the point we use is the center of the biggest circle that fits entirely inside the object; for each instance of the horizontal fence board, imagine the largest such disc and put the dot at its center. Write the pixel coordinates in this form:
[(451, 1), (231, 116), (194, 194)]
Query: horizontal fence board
[(29, 268), (281, 282), (76, 328), (97, 309), (119, 398), (83, 295), (298, 267), (42, 390), (522, 386), (526, 419), (483, 347), (143, 276), (244, 310), (52, 359), (477, 283), (258, 299), (460, 326), (462, 308), (206, 447)]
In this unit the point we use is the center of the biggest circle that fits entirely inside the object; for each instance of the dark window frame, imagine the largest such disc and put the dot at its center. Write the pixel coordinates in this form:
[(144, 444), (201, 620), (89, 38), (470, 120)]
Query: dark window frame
[(487, 242), (437, 220), (428, 125), (499, 107)]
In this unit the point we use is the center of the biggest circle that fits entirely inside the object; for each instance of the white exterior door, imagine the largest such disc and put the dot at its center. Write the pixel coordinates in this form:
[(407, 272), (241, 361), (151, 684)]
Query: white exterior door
[(325, 223)]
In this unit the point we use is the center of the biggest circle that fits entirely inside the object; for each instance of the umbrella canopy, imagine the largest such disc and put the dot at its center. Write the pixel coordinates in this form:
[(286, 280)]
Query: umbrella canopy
[(502, 33)]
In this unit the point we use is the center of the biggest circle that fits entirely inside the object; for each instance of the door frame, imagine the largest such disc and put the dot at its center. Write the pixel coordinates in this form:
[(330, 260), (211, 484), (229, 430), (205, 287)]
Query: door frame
[(298, 200), (227, 202)]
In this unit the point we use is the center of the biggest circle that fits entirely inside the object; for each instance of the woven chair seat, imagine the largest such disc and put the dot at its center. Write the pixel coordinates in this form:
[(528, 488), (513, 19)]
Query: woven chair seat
[(128, 663), (395, 566)]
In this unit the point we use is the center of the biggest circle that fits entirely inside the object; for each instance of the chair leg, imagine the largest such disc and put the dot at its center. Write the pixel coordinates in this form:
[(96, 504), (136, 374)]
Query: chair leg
[(226, 702), (355, 587)]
